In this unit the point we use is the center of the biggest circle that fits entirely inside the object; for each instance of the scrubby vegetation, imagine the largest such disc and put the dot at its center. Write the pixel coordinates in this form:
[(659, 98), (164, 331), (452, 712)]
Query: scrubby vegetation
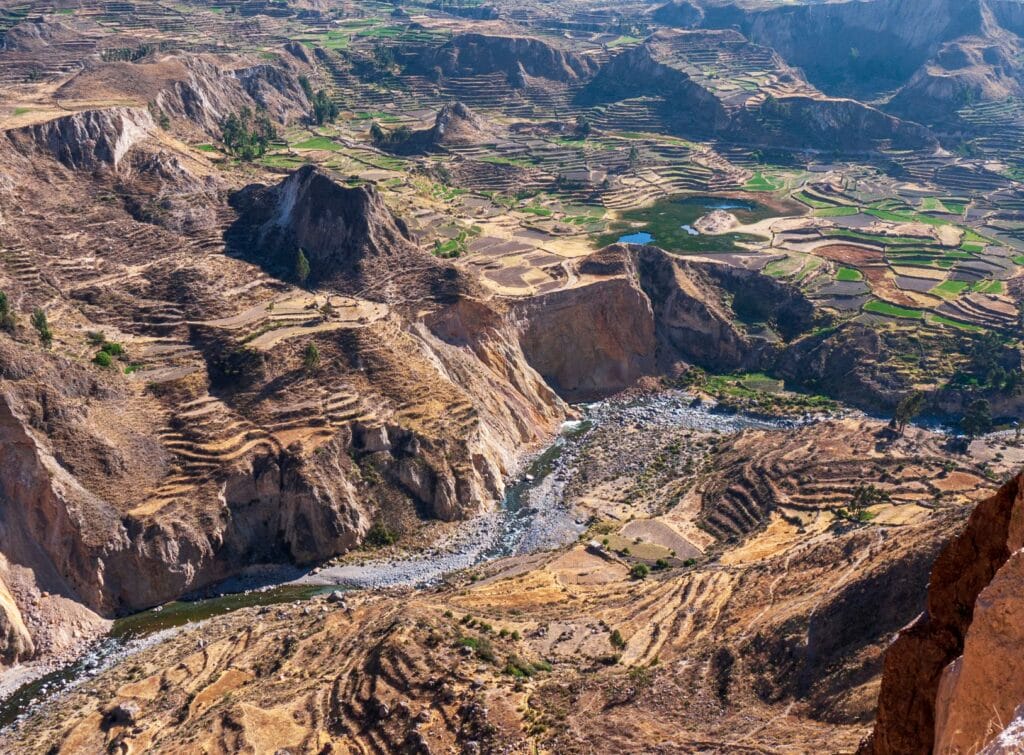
[(41, 323), (247, 135)]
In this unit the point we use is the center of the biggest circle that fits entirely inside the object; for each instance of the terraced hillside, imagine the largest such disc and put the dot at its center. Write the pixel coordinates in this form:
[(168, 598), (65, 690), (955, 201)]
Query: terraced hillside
[(770, 645), (295, 291)]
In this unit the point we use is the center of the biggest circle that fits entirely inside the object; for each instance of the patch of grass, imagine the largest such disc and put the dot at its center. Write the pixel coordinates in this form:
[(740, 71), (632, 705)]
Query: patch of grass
[(967, 327), (950, 289), (481, 646), (523, 669), (849, 275), (665, 219), (905, 216), (879, 307), (843, 211), (21, 111), (498, 160), (813, 202), (624, 40), (318, 142), (543, 212), (875, 238), (988, 287), (762, 182)]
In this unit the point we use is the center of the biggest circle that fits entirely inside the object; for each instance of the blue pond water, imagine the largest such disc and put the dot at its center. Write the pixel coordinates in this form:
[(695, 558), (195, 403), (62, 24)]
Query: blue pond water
[(636, 238)]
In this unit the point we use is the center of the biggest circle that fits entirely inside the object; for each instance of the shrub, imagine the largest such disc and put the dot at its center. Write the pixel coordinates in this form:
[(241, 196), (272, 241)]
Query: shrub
[(639, 571), (482, 646), (311, 358), (42, 326), (661, 564), (301, 270), (7, 321), (103, 359), (617, 640), (380, 536)]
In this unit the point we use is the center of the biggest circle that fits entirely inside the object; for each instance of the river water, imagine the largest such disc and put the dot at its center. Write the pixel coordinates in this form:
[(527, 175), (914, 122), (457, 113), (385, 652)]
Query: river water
[(532, 517)]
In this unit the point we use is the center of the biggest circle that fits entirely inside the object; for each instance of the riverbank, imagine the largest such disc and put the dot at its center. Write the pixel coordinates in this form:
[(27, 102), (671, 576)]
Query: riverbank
[(534, 516)]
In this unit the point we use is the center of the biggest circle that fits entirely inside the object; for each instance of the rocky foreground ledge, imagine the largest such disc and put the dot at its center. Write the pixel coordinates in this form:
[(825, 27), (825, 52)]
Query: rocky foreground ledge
[(954, 679)]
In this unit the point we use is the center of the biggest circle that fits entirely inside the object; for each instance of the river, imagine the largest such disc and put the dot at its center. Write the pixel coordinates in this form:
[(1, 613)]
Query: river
[(532, 517)]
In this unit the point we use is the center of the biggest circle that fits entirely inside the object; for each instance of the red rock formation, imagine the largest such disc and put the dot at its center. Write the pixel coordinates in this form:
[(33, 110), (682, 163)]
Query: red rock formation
[(952, 680)]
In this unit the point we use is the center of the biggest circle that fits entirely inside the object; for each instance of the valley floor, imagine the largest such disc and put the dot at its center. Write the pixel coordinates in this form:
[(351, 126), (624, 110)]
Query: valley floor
[(656, 631)]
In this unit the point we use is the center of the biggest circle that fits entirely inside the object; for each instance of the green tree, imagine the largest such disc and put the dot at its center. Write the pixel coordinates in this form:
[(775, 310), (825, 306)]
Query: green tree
[(301, 270), (7, 320), (908, 408), (634, 158), (42, 326), (311, 358), (978, 418), (324, 109), (639, 571), (583, 127), (247, 135)]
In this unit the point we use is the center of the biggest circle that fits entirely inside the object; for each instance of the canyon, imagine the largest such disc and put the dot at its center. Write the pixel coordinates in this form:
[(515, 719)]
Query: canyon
[(536, 378)]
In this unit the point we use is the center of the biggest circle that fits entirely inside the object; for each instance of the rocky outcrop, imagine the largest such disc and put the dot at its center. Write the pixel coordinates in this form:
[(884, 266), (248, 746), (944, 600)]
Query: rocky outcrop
[(954, 678), (455, 125), (681, 14), (205, 94), (592, 341), (652, 312), (647, 70), (854, 48), (835, 124), (347, 234), (481, 54), (982, 66), (714, 314), (689, 108), (197, 92), (15, 640), (88, 140), (847, 363), (36, 34)]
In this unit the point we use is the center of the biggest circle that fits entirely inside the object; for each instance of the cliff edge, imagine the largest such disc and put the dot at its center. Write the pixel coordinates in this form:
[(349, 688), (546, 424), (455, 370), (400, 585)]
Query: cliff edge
[(953, 680)]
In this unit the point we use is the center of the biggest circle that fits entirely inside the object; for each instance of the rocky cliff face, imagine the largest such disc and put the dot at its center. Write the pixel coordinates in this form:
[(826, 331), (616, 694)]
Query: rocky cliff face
[(661, 67), (954, 679), (206, 93), (65, 524), (455, 125), (348, 235), (651, 312), (91, 139), (592, 341), (854, 48), (681, 14), (646, 70), (481, 54)]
